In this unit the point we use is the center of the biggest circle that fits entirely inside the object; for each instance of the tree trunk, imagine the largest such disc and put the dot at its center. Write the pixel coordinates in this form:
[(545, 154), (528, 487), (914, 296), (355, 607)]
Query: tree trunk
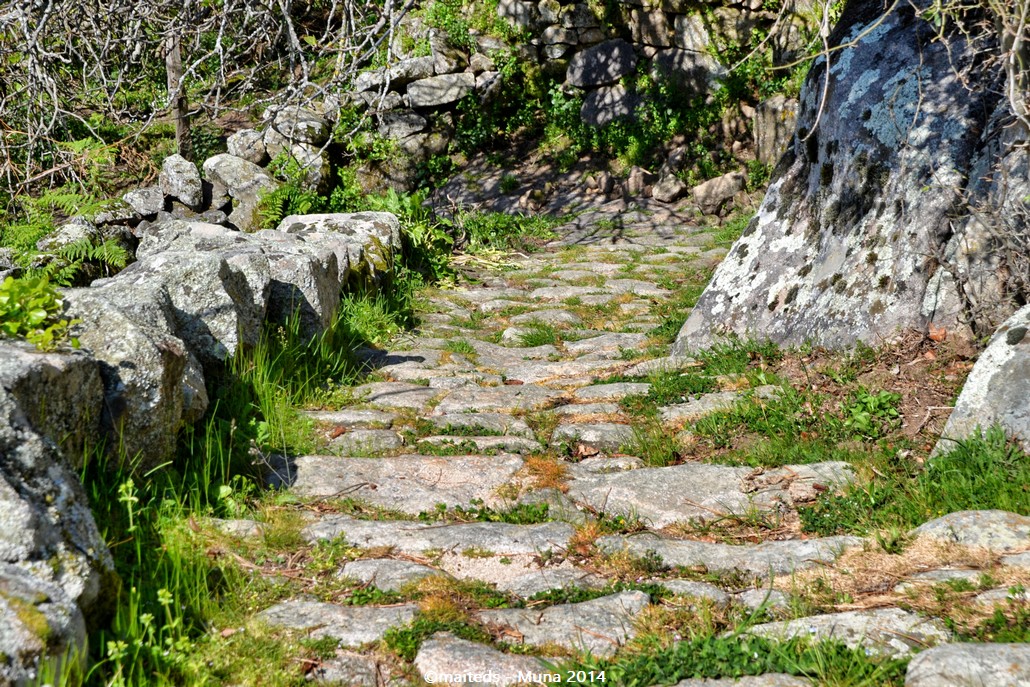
[(177, 96)]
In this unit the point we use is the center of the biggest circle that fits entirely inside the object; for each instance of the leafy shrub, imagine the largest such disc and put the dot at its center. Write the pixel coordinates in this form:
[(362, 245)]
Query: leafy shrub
[(30, 309)]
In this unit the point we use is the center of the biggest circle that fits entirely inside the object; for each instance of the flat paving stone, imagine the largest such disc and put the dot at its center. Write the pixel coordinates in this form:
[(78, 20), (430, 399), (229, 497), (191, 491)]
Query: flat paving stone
[(971, 665), (587, 409), (663, 496), (715, 402), (346, 668), (934, 577), (497, 356), (607, 436), (547, 579), (1002, 596), (506, 444), (444, 658), (701, 590), (386, 573), (503, 539), (599, 626), (563, 372), (770, 599), (610, 392), (396, 395), (606, 345), (409, 484), (637, 287), (387, 360), (551, 317), (352, 419), (351, 626), (498, 305), (561, 293), (497, 423), (771, 557), (366, 442), (487, 293), (522, 397), (997, 530), (883, 632), (768, 680)]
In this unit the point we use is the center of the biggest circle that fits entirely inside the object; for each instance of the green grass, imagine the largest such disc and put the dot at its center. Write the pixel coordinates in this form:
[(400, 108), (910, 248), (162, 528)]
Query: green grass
[(460, 347), (979, 473), (829, 663), (518, 514), (405, 641), (479, 231), (539, 334)]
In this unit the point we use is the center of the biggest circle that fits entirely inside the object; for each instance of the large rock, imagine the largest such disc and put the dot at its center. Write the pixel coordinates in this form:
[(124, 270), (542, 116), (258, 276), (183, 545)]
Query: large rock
[(58, 393), (37, 620), (607, 104), (301, 125), (48, 530), (995, 393), (440, 90), (714, 194), (244, 182), (602, 64), (971, 665), (696, 72), (395, 77), (280, 273), (774, 123), (842, 247), (213, 308), (143, 367), (248, 145), (364, 242), (180, 179)]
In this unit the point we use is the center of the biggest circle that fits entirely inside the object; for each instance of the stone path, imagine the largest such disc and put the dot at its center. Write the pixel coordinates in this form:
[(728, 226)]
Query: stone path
[(502, 402)]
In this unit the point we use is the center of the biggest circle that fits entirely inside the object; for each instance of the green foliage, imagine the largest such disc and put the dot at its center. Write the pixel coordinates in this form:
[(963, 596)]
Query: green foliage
[(871, 414), (478, 231), (740, 655), (573, 595), (518, 514), (539, 334), (405, 641), (82, 261), (30, 309), (981, 473)]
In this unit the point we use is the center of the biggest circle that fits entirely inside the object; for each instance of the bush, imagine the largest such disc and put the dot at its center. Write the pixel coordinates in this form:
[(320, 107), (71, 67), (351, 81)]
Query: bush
[(30, 309)]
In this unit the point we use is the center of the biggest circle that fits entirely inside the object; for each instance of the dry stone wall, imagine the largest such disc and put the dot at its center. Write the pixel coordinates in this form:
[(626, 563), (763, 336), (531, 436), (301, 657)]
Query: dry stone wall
[(153, 340)]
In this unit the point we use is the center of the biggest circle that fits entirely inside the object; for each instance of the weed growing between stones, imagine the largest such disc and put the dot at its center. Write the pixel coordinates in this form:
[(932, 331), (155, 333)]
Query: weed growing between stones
[(830, 663), (980, 473)]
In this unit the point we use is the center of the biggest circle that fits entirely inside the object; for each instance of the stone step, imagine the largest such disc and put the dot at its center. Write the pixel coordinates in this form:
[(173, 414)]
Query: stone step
[(499, 538), (410, 483), (351, 626), (700, 492), (768, 558), (599, 626)]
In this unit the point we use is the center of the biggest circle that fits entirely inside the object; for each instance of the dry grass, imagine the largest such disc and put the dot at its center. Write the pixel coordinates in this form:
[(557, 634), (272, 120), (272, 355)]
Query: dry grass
[(865, 578), (548, 472)]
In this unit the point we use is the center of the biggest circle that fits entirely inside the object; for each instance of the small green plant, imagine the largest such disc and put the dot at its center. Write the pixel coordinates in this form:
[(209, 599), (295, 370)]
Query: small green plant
[(30, 309), (509, 182), (870, 414), (539, 334)]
